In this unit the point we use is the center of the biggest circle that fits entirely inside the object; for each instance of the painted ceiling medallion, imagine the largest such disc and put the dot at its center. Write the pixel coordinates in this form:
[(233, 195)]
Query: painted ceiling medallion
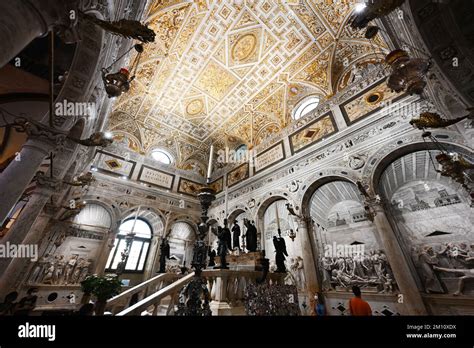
[(195, 107), (244, 47)]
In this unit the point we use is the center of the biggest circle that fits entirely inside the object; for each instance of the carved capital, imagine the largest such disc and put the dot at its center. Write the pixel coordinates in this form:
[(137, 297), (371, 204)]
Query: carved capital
[(47, 183), (304, 221), (38, 132)]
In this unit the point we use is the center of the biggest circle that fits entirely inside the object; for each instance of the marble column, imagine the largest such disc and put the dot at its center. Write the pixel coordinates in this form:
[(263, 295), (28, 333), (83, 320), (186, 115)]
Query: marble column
[(309, 260), (153, 262), (16, 177), (412, 299), (26, 230), (107, 245), (22, 21)]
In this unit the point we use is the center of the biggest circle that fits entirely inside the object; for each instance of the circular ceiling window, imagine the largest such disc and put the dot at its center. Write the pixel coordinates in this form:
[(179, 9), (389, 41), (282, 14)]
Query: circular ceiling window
[(305, 107), (162, 156)]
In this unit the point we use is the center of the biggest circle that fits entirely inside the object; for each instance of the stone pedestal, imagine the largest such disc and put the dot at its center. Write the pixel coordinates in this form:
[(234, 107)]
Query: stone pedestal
[(412, 299), (243, 262)]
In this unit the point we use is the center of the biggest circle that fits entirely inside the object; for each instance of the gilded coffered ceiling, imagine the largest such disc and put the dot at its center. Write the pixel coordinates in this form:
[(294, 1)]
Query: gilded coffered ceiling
[(230, 72)]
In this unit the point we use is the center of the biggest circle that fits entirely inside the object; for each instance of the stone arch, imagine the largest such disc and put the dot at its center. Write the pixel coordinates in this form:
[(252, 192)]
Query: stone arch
[(384, 158), (153, 216), (113, 212), (307, 188), (315, 185), (232, 216), (263, 205), (186, 219), (91, 212), (275, 195)]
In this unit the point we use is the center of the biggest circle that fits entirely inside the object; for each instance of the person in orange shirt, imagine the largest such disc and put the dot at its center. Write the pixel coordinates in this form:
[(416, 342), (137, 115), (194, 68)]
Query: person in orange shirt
[(357, 305)]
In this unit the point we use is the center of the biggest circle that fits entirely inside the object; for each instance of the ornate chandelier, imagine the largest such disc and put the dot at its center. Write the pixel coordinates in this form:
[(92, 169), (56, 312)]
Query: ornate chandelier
[(434, 120), (408, 74), (119, 82), (453, 165)]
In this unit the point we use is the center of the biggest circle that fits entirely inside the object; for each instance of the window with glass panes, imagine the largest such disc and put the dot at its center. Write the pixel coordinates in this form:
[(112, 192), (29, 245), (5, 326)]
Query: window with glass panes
[(138, 249)]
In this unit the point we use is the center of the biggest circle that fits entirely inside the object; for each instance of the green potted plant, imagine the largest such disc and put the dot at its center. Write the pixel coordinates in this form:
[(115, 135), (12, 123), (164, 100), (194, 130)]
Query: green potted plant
[(102, 288), (87, 286)]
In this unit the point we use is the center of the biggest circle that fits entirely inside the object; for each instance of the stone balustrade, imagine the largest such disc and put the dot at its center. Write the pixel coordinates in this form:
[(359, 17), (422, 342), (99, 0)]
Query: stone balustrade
[(141, 291), (227, 289)]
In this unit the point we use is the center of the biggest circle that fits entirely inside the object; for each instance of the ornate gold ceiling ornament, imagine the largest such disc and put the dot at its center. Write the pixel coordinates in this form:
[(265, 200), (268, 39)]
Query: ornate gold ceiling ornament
[(195, 107), (244, 47), (212, 57)]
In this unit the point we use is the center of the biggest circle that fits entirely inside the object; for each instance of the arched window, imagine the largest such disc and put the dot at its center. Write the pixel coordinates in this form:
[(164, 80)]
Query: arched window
[(138, 249), (241, 152), (305, 107), (162, 156), (181, 237)]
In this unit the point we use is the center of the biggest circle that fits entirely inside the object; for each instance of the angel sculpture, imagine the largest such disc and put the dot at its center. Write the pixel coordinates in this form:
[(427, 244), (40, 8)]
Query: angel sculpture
[(281, 253)]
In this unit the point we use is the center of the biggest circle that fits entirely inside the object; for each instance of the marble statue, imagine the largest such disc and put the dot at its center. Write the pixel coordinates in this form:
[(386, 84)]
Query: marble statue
[(85, 270), (59, 264), (365, 270), (296, 267), (327, 266), (465, 275), (48, 274), (389, 282), (59, 271), (427, 259), (39, 269), (441, 263), (71, 264), (77, 271)]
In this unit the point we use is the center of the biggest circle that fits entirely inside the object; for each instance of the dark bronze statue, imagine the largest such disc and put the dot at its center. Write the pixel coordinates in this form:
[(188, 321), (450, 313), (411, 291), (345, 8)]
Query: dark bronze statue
[(281, 253), (224, 243), (212, 255), (236, 236), (250, 236), (164, 254)]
